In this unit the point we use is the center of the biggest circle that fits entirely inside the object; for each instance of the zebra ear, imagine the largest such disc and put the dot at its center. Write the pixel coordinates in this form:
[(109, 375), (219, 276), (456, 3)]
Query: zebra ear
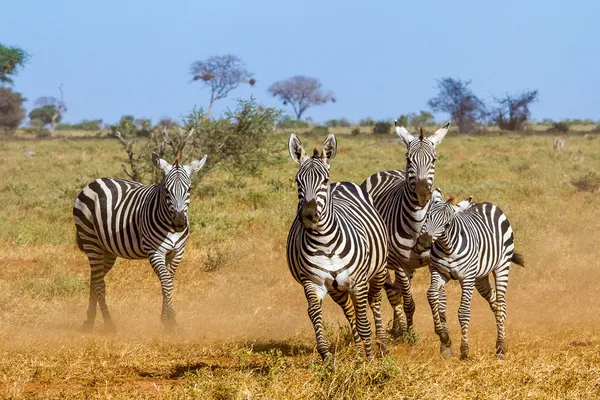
[(439, 135), (403, 133), (329, 148), (463, 205), (437, 196), (160, 163), (296, 151), (195, 166)]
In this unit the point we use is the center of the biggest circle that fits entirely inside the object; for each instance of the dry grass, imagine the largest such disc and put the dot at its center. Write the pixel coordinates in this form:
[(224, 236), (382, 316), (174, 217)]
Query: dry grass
[(245, 329)]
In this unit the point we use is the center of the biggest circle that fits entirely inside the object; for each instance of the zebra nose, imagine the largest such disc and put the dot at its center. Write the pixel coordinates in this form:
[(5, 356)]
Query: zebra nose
[(308, 213), (423, 192), (179, 221), (423, 243)]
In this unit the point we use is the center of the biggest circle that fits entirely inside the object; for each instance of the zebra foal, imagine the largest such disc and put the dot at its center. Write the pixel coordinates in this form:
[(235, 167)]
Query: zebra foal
[(337, 244), (402, 199), (468, 242), (123, 218)]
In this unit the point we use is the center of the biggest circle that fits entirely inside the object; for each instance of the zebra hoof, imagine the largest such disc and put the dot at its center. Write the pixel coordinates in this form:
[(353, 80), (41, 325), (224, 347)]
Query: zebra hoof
[(446, 351), (464, 356), (500, 356), (87, 327)]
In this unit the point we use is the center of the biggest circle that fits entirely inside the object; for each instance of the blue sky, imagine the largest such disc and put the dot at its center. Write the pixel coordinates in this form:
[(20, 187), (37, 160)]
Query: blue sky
[(380, 58)]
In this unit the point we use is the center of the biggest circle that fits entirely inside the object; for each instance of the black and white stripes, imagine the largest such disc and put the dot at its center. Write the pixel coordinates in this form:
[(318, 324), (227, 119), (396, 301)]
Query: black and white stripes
[(122, 218), (402, 199), (337, 244), (468, 242)]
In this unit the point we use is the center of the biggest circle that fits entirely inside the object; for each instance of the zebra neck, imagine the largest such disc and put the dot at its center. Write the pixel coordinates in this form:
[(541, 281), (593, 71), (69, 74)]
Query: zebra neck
[(157, 206), (415, 214)]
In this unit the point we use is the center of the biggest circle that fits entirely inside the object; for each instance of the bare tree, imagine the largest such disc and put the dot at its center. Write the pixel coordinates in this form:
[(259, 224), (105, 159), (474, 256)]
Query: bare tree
[(301, 92), (512, 112), (57, 107), (456, 99), (222, 74)]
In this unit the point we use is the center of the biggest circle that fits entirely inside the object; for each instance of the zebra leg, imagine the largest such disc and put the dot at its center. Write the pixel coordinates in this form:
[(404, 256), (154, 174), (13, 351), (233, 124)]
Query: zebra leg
[(344, 301), (158, 262), (405, 277), (375, 293), (394, 295), (487, 292), (360, 296), (501, 278), (464, 315), (100, 264), (314, 296), (434, 296)]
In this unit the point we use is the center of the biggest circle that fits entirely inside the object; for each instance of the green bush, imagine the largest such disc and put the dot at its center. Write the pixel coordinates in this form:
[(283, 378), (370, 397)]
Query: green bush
[(382, 128), (355, 131), (319, 130), (367, 122), (288, 122), (562, 127)]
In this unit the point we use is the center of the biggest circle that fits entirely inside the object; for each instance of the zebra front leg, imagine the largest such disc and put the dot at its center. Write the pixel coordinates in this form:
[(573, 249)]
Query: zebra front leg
[(464, 315), (360, 296), (394, 295), (404, 278), (434, 296), (344, 301), (501, 278), (314, 296), (375, 294), (158, 262)]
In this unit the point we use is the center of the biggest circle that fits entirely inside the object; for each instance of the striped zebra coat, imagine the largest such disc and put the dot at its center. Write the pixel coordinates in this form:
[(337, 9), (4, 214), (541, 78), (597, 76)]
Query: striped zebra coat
[(402, 199), (123, 218), (337, 244), (468, 242)]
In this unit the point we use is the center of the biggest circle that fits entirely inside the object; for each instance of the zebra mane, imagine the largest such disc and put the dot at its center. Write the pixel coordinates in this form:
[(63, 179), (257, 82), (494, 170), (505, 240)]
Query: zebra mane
[(177, 161), (316, 153), (421, 135)]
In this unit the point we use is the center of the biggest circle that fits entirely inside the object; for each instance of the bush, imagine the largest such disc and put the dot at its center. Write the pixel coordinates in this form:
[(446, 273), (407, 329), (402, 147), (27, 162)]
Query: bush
[(382, 128), (367, 122), (12, 112), (288, 122), (319, 130), (355, 131), (562, 127)]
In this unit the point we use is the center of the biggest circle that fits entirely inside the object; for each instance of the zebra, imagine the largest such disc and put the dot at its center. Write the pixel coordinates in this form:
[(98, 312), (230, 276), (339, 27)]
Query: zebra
[(337, 244), (402, 199), (468, 242), (123, 218)]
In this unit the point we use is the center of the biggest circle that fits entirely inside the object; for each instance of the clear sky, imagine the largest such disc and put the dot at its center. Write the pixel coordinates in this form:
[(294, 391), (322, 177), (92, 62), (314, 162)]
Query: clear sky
[(380, 58)]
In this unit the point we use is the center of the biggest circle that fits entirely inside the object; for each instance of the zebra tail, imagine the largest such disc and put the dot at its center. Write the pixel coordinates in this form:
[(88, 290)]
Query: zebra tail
[(518, 259)]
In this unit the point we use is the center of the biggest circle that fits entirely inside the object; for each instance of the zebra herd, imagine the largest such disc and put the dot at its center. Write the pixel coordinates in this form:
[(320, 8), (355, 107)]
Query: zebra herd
[(347, 240)]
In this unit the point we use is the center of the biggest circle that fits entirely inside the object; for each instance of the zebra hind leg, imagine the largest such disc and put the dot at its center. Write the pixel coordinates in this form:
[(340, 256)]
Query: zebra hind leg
[(501, 278), (100, 264), (394, 295), (487, 292), (375, 294), (344, 301)]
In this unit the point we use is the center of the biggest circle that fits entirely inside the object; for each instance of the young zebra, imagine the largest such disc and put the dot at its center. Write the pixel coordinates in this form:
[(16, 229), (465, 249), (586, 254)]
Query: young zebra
[(402, 199), (337, 244), (122, 218), (468, 242)]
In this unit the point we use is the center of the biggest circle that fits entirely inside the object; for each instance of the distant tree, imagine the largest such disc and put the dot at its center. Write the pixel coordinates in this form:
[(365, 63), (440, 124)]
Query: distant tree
[(456, 99), (11, 58), (12, 112), (222, 74), (167, 122), (56, 106), (403, 120), (366, 122), (301, 92), (43, 116), (512, 112)]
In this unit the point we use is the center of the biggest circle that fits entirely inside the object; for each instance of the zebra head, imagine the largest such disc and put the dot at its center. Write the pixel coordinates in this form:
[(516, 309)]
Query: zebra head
[(420, 161), (440, 215), (313, 180), (175, 189)]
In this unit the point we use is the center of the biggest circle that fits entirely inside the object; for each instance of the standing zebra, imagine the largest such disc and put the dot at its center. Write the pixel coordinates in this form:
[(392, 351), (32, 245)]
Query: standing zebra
[(468, 242), (402, 199), (337, 244), (122, 218)]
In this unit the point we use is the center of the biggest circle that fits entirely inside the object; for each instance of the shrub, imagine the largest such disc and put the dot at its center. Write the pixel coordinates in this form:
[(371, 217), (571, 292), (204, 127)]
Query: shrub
[(562, 127), (382, 128), (355, 131), (366, 122), (12, 112), (288, 122), (319, 130)]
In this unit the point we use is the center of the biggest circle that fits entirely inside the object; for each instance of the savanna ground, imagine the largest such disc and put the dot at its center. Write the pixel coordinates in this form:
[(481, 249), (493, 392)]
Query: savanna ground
[(245, 331)]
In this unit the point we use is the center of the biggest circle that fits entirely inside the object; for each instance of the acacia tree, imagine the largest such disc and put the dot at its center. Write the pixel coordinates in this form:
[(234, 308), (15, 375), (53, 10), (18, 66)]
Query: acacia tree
[(456, 99), (513, 111), (11, 58), (301, 92), (222, 74), (50, 110), (12, 112)]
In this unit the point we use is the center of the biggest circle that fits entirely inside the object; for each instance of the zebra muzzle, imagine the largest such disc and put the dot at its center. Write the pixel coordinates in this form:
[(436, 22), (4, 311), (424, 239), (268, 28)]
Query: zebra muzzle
[(308, 214), (179, 221), (423, 243)]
